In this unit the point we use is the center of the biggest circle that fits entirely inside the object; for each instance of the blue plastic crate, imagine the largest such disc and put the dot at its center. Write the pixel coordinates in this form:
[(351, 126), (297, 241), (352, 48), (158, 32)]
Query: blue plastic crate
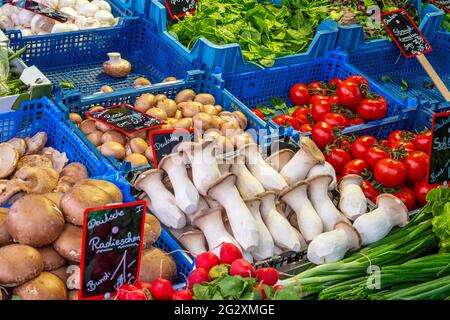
[(257, 87), (197, 80), (229, 57), (77, 57)]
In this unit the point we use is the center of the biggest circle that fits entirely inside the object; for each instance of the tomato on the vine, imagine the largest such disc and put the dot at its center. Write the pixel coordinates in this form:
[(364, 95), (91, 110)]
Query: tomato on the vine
[(361, 146), (369, 190), (375, 154), (301, 111), (359, 80), (301, 119), (356, 166), (355, 121), (349, 94), (307, 127), (299, 95), (335, 81), (317, 87), (343, 143), (319, 109), (394, 136), (421, 190), (318, 97), (282, 119), (416, 165), (390, 172), (333, 100), (322, 134), (373, 108), (338, 158), (400, 144), (335, 119), (258, 113), (408, 197), (423, 142)]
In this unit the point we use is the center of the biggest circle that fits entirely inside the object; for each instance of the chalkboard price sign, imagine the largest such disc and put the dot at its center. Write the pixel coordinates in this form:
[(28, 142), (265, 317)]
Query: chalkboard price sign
[(111, 248), (444, 4), (405, 33), (440, 149), (126, 119), (165, 142), (179, 8)]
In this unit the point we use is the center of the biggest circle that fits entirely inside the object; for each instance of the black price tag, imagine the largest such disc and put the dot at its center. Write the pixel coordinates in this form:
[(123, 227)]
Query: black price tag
[(179, 8), (165, 142), (126, 119), (440, 149), (405, 33), (444, 4), (42, 10), (111, 249)]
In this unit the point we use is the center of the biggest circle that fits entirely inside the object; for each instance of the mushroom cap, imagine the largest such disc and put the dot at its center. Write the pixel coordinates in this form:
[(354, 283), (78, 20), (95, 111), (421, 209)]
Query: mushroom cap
[(110, 188), (170, 158), (19, 263), (268, 194), (152, 230), (278, 160), (35, 220), (19, 144), (75, 170), (395, 207), (68, 244), (61, 273), (54, 197), (308, 146), (5, 237), (45, 287), (350, 178), (301, 183), (34, 160), (145, 175), (355, 238), (323, 169), (36, 142), (227, 178), (204, 212), (9, 157), (52, 259)]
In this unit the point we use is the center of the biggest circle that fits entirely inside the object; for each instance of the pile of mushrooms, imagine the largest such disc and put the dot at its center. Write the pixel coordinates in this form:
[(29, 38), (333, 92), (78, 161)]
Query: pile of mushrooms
[(186, 111), (264, 206), (41, 233)]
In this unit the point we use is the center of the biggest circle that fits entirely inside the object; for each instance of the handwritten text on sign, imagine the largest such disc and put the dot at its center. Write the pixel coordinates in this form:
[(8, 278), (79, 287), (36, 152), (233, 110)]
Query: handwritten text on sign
[(444, 4), (111, 249), (440, 149), (179, 8), (405, 33)]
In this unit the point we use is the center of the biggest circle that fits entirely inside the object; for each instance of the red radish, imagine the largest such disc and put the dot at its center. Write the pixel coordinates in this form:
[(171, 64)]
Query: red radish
[(136, 295), (207, 260), (278, 287), (261, 289), (182, 295), (144, 285), (268, 276), (161, 289), (198, 275), (241, 267), (124, 289), (229, 252)]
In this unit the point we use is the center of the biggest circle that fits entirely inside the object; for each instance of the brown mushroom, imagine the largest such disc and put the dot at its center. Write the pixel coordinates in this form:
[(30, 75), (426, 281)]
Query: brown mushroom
[(45, 287), (68, 244), (156, 263), (19, 144), (138, 145), (65, 183), (114, 136), (240, 118), (96, 109), (136, 160), (211, 110), (95, 138), (149, 154), (75, 118), (169, 106), (185, 96), (88, 126), (230, 128), (81, 197), (160, 97), (36, 142), (106, 89), (145, 102), (157, 113), (54, 197), (110, 188), (20, 263), (5, 237), (100, 126), (203, 121), (9, 157), (75, 170), (113, 149), (169, 79), (190, 109), (52, 259), (34, 220), (34, 160), (59, 159), (205, 98), (152, 230), (142, 135), (141, 82), (185, 123), (61, 272), (116, 67)]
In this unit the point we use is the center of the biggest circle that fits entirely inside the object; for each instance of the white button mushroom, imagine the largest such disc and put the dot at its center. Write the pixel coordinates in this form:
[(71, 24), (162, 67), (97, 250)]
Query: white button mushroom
[(104, 17), (88, 9), (69, 11), (103, 5), (25, 17)]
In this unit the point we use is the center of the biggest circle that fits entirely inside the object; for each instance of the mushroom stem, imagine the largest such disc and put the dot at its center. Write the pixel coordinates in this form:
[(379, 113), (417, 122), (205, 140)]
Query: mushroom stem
[(241, 220), (308, 220), (162, 203), (353, 202), (246, 183), (192, 239), (283, 234), (186, 195), (266, 246)]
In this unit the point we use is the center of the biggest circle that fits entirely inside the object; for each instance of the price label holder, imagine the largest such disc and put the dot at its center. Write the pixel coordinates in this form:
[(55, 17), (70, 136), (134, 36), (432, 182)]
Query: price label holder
[(111, 249), (165, 142), (439, 171), (42, 10), (444, 4), (180, 8), (412, 43), (126, 119)]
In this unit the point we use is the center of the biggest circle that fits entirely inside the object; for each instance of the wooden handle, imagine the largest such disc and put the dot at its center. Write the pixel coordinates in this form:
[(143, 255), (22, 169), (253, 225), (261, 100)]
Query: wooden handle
[(434, 76)]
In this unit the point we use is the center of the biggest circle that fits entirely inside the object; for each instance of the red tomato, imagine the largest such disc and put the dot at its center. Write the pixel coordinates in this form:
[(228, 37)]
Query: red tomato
[(408, 197), (356, 166), (335, 81), (416, 165), (361, 146), (302, 119), (369, 190), (421, 190), (295, 122), (319, 109), (322, 134), (299, 95), (355, 121), (258, 113), (307, 127), (343, 143), (399, 144), (359, 80), (333, 100), (301, 111), (372, 109), (349, 94), (384, 143), (318, 97), (335, 119), (338, 158), (375, 154), (394, 136), (423, 142), (317, 87), (282, 120), (390, 173)]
